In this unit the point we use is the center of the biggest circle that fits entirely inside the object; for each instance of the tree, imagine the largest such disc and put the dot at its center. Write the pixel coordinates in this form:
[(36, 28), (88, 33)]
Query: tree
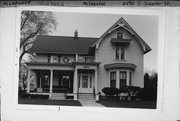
[(34, 23), (154, 79), (150, 80), (146, 80), (23, 74)]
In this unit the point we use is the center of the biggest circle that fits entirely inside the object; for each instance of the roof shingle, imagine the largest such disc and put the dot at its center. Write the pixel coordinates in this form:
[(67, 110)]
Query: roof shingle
[(62, 44)]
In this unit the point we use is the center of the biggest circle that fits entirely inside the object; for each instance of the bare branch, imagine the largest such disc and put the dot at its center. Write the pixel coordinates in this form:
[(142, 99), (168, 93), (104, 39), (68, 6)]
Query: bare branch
[(30, 36), (27, 17)]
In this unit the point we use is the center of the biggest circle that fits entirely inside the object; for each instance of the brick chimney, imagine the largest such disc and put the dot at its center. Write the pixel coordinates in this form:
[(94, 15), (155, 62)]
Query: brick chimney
[(76, 34)]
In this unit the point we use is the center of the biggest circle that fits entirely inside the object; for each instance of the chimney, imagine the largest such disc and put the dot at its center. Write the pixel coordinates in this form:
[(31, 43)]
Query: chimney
[(76, 34)]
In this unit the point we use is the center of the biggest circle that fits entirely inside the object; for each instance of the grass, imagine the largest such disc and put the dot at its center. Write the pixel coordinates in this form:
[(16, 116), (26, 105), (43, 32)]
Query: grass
[(128, 104), (49, 102), (106, 103)]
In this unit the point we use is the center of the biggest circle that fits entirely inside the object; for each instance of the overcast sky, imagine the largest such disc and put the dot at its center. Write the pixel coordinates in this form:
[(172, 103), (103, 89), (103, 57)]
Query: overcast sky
[(94, 25)]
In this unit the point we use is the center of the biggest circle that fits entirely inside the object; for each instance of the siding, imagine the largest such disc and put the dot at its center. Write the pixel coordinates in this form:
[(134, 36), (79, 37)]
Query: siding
[(44, 58), (106, 55)]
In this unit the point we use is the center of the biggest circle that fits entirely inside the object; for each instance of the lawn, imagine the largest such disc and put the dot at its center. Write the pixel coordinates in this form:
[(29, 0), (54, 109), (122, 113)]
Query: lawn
[(106, 103), (128, 104), (49, 102)]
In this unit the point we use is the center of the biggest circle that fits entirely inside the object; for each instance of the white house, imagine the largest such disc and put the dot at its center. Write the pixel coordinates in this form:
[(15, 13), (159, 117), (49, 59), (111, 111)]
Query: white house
[(79, 66)]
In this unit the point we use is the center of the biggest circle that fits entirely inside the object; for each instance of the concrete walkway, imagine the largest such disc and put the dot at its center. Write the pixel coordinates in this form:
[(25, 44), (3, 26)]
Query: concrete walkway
[(90, 103)]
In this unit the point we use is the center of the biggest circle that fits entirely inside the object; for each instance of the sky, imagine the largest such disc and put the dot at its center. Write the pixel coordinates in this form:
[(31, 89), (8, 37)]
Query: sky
[(94, 25)]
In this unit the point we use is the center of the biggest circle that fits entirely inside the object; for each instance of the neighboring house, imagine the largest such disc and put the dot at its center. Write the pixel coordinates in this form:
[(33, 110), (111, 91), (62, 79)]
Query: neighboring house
[(81, 65)]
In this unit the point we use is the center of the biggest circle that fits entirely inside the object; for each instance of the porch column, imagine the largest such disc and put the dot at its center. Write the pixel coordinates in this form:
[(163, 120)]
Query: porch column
[(117, 79), (51, 80), (76, 57), (127, 81), (96, 86), (75, 84), (28, 81)]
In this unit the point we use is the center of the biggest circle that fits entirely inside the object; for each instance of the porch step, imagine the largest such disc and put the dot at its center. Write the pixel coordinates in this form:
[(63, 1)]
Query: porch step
[(86, 96), (57, 96)]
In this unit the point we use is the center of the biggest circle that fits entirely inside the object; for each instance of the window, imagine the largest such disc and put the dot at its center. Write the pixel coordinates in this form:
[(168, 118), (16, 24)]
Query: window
[(45, 80), (59, 58), (117, 54), (54, 59), (113, 79), (120, 53), (65, 82), (79, 77), (119, 35), (49, 58), (122, 77), (90, 85), (130, 78)]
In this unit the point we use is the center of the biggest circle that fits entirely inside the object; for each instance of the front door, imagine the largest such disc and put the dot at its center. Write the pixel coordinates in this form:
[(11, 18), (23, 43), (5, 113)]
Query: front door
[(85, 83)]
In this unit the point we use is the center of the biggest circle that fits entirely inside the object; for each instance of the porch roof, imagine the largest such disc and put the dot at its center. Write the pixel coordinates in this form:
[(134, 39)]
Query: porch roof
[(120, 65), (87, 63)]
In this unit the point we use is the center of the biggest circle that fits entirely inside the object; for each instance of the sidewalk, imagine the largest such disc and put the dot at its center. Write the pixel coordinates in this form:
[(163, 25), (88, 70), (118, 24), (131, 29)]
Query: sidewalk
[(90, 103)]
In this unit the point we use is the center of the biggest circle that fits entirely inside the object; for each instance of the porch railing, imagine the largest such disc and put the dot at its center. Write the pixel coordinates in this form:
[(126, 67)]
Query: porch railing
[(86, 58), (64, 59)]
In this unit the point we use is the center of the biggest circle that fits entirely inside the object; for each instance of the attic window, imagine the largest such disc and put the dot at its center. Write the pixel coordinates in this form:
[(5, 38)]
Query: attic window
[(119, 35)]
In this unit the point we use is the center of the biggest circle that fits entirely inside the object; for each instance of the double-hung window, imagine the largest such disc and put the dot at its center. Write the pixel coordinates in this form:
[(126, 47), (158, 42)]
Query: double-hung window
[(122, 79), (113, 79)]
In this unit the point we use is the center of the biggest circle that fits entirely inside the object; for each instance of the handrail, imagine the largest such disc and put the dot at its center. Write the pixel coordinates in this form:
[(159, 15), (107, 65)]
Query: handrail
[(86, 58)]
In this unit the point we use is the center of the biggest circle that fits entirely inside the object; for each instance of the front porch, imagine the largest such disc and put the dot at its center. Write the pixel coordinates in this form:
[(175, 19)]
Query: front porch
[(62, 83)]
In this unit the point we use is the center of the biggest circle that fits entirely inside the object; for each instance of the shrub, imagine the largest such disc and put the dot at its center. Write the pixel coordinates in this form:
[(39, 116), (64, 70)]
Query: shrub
[(44, 96), (109, 91), (133, 90), (147, 94), (23, 94), (34, 96), (124, 90)]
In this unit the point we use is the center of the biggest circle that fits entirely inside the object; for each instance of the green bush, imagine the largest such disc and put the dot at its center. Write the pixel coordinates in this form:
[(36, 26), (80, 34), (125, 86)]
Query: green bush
[(109, 91)]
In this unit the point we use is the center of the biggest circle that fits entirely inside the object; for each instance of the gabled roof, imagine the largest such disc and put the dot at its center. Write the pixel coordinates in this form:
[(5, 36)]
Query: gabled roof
[(62, 44), (122, 23)]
